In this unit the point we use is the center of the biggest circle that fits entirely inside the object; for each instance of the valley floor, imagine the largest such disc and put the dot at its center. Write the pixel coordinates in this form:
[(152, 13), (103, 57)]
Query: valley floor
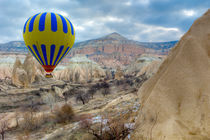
[(120, 101)]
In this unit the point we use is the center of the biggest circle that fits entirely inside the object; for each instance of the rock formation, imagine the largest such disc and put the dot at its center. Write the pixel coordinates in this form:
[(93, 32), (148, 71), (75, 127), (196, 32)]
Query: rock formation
[(175, 102), (5, 72), (119, 74), (28, 72), (80, 70), (147, 64)]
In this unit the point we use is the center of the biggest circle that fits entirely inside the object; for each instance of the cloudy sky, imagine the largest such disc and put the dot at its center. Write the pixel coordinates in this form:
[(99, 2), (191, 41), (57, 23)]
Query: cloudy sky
[(141, 20)]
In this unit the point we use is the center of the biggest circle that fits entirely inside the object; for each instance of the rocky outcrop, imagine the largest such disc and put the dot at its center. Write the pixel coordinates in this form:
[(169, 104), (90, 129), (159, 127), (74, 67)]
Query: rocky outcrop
[(115, 50), (119, 74), (112, 50), (146, 64), (80, 70), (28, 72), (175, 102), (5, 72)]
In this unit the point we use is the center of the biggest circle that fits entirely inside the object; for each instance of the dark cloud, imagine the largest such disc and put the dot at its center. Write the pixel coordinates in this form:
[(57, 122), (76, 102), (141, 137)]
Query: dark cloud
[(143, 20)]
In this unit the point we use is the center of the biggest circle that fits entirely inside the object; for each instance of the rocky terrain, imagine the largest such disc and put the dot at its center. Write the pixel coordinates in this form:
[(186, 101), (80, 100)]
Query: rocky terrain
[(146, 64), (110, 51), (111, 88), (81, 70), (100, 101), (175, 101)]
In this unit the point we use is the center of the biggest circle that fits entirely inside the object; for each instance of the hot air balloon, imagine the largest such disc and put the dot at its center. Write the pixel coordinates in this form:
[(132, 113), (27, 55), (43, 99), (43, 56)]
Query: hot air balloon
[(49, 37)]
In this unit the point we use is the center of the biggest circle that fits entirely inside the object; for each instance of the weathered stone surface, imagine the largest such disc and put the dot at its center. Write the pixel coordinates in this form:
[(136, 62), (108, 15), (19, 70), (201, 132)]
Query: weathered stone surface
[(175, 102)]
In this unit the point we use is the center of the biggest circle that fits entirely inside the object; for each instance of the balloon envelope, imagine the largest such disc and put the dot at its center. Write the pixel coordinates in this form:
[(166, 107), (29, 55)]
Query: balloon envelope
[(49, 37)]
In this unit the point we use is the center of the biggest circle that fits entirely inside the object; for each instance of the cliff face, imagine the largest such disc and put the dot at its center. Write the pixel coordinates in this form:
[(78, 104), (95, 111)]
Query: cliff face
[(115, 50), (112, 50), (175, 102)]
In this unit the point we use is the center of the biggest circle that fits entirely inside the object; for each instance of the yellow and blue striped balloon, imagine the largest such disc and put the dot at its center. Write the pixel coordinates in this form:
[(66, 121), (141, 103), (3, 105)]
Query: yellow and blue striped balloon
[(49, 37)]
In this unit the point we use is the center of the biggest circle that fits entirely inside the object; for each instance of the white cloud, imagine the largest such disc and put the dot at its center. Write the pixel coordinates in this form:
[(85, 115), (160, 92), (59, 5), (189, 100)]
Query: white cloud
[(155, 33), (144, 2), (189, 13), (79, 28), (140, 2), (128, 3), (63, 13), (110, 19)]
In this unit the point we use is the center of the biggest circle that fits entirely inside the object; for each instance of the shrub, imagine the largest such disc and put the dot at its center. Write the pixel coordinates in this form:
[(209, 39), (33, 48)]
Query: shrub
[(129, 82), (91, 91), (63, 114), (97, 86), (30, 122), (83, 97), (111, 129), (3, 128), (105, 91), (119, 82)]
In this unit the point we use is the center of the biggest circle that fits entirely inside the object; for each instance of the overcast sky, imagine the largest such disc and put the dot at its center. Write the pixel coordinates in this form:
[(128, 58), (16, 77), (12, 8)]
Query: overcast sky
[(141, 20)]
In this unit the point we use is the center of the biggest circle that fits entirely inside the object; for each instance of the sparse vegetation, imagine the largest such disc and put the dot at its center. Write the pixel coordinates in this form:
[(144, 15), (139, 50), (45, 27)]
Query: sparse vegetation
[(106, 128), (49, 99), (3, 128), (82, 97), (30, 122), (63, 114), (91, 91)]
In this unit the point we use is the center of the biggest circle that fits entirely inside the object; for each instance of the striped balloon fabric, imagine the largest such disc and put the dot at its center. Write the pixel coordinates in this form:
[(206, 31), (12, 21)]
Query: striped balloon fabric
[(49, 37)]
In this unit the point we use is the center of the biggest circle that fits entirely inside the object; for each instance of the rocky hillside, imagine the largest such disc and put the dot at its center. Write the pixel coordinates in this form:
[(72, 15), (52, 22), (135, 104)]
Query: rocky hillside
[(116, 50), (13, 47), (112, 50), (145, 64), (175, 101)]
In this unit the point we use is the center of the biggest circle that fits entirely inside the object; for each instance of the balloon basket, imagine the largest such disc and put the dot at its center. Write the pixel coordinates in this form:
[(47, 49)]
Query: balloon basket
[(48, 75)]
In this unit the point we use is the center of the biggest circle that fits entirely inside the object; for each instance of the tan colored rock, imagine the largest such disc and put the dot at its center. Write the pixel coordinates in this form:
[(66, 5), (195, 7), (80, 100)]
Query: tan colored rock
[(146, 64), (80, 70), (30, 67), (25, 74), (175, 102), (5, 72), (119, 74), (149, 69)]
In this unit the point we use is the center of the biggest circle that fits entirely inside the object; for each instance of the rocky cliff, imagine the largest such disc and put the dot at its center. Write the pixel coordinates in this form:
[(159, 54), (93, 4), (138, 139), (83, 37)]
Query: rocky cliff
[(112, 50), (115, 50), (175, 102)]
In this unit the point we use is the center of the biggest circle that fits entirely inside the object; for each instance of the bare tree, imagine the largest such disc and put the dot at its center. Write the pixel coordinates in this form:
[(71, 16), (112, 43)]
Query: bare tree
[(83, 97), (50, 100), (17, 118), (105, 89), (91, 71), (76, 77), (106, 129), (71, 77), (91, 91), (3, 128)]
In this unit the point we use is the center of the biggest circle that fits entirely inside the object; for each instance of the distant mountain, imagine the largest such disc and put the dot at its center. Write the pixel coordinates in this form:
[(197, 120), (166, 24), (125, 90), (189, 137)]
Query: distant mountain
[(159, 45), (13, 47), (110, 50), (19, 46), (123, 40)]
